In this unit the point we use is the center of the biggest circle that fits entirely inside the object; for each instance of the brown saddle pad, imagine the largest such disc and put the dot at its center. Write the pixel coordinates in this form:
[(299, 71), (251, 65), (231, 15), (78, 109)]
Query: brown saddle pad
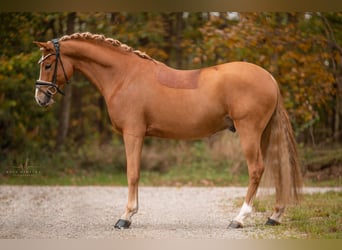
[(179, 79)]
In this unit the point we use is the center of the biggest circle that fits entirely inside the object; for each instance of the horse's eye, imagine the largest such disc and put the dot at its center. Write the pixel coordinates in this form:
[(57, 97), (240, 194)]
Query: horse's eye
[(47, 66)]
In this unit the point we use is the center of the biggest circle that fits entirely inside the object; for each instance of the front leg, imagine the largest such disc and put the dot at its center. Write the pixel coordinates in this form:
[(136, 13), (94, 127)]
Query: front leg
[(133, 147)]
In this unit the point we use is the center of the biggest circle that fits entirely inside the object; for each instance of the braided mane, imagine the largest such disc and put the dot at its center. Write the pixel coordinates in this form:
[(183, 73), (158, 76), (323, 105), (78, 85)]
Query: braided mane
[(111, 41)]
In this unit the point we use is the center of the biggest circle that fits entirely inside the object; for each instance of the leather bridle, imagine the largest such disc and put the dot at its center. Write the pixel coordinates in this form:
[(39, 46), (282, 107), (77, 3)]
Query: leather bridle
[(52, 85)]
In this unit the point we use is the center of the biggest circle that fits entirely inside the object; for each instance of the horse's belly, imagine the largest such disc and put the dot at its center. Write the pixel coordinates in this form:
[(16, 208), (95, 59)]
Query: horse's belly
[(189, 129)]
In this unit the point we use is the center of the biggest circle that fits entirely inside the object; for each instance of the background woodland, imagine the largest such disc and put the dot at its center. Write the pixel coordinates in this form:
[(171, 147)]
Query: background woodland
[(303, 51)]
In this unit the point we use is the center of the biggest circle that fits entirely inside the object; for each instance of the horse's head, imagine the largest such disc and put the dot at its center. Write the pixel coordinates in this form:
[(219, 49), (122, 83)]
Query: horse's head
[(53, 73)]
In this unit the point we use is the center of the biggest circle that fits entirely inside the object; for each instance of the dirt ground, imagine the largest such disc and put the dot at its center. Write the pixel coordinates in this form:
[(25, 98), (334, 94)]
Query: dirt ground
[(43, 212)]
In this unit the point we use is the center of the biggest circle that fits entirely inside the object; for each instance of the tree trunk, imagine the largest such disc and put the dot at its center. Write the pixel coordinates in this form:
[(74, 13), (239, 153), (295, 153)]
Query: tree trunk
[(66, 101), (337, 71), (178, 33), (338, 110), (173, 25)]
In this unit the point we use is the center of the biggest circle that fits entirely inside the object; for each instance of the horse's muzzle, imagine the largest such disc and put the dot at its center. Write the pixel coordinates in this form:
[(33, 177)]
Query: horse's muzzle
[(43, 98)]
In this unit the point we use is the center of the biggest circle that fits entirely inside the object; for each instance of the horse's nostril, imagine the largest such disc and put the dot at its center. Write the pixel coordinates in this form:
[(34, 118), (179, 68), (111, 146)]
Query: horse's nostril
[(40, 103)]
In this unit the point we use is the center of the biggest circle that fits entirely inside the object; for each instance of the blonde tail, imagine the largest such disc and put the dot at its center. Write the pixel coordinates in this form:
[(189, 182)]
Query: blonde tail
[(280, 156)]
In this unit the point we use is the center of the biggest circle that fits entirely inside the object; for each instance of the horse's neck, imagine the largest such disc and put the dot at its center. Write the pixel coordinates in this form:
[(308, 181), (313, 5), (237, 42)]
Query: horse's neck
[(102, 65)]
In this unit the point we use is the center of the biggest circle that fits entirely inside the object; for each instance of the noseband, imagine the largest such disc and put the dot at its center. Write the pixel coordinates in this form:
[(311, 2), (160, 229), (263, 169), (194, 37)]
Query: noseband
[(52, 84)]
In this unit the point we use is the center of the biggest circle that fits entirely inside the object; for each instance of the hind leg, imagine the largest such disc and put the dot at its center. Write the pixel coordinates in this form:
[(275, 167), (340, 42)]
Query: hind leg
[(279, 209), (278, 178), (250, 141)]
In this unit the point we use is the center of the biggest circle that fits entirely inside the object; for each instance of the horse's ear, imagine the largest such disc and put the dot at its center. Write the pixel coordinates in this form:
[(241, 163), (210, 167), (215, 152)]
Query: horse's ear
[(43, 46)]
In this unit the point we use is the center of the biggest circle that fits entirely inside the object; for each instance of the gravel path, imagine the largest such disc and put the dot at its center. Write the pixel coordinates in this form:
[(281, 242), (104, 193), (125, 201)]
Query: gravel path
[(42, 212)]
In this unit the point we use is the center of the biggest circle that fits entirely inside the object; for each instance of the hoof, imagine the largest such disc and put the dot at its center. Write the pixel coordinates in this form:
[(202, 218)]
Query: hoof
[(271, 222), (122, 224), (235, 224)]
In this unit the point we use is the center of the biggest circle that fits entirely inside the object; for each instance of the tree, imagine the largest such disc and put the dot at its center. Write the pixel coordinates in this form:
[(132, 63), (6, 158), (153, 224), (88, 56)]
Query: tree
[(66, 101), (335, 50), (21, 121)]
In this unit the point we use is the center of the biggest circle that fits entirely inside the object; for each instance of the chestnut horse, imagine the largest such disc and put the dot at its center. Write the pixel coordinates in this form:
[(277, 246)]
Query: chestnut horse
[(147, 98)]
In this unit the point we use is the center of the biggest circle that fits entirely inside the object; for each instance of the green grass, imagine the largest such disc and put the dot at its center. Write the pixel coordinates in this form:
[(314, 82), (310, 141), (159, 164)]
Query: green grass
[(197, 163), (318, 216), (216, 161), (195, 175)]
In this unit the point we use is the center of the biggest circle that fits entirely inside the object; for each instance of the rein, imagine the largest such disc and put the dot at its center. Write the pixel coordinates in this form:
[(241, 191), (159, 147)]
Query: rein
[(52, 84)]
